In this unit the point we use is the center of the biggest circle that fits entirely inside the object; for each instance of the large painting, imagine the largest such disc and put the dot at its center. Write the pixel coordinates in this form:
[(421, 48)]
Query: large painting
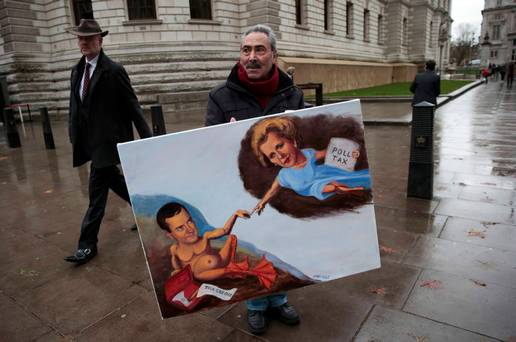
[(240, 210)]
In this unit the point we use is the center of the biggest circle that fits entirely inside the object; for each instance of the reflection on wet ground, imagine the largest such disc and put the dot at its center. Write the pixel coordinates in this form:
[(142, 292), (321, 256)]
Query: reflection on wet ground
[(448, 264)]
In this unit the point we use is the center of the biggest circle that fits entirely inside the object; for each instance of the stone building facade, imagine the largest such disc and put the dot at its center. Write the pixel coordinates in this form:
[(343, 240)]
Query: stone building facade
[(498, 32), (176, 50)]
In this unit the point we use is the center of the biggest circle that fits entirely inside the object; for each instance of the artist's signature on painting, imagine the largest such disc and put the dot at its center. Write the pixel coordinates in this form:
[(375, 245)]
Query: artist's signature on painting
[(321, 277)]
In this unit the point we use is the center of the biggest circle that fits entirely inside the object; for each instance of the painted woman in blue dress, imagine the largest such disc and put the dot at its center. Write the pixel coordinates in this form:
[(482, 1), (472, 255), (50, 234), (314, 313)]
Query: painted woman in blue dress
[(275, 139)]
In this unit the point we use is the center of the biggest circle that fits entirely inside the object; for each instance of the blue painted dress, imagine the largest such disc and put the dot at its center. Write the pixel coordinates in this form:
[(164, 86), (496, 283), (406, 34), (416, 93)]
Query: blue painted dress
[(311, 179)]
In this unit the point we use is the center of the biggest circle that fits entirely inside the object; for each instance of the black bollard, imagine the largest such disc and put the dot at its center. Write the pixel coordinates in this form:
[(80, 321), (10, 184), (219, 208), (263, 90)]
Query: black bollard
[(318, 94), (158, 123), (13, 138), (47, 129), (421, 164)]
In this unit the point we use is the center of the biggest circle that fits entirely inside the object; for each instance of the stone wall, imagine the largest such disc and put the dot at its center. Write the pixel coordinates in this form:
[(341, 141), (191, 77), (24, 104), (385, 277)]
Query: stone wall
[(174, 58), (337, 75)]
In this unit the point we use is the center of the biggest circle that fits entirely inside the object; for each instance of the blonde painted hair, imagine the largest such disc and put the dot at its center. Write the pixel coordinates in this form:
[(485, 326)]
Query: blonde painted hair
[(282, 125)]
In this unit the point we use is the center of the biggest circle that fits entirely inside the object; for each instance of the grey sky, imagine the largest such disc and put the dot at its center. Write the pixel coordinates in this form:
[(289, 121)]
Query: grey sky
[(466, 11)]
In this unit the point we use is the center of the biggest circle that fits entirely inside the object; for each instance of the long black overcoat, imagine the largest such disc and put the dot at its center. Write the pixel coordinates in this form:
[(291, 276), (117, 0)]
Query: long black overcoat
[(105, 116)]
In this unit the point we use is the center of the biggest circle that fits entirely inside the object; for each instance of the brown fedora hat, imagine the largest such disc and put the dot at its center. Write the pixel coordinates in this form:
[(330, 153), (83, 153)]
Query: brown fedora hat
[(88, 27)]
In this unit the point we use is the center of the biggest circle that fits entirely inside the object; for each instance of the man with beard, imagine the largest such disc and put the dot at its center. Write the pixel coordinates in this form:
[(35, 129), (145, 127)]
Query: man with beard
[(257, 87)]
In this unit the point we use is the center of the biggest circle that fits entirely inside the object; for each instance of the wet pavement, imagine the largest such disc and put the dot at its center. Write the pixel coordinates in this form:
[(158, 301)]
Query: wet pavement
[(448, 264)]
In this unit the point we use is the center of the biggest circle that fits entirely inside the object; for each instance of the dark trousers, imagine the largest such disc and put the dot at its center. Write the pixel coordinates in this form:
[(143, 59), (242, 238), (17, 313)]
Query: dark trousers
[(101, 180)]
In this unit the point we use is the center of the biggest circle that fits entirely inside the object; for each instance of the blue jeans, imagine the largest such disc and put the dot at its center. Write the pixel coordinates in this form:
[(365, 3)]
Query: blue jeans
[(262, 303)]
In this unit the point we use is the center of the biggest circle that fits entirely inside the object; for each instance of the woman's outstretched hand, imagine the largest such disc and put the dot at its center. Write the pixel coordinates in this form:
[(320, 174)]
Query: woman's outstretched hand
[(259, 208)]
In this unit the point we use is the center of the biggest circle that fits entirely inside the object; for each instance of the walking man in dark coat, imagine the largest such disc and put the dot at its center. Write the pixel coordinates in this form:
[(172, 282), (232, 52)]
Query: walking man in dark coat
[(257, 87), (426, 85), (103, 108)]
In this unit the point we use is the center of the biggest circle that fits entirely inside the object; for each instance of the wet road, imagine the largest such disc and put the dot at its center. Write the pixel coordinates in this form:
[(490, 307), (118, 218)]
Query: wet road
[(448, 264)]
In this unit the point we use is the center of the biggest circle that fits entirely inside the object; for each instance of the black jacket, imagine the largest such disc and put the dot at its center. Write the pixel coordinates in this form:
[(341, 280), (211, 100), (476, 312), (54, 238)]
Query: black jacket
[(426, 87), (105, 117), (231, 100)]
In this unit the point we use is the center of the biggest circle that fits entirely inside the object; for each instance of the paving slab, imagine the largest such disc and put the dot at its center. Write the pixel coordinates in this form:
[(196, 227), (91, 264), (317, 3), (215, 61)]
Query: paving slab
[(242, 336), (385, 324), (489, 234), (395, 244), (54, 337), (123, 257), (389, 285), (446, 190), (476, 210), (43, 199), (450, 164), (401, 220), (489, 195), (18, 324), (326, 315), (139, 320), (79, 297), (477, 262), (27, 262), (500, 182), (399, 200), (482, 307)]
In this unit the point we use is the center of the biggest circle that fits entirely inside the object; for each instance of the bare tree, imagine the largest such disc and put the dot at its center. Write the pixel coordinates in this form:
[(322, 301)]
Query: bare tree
[(463, 45)]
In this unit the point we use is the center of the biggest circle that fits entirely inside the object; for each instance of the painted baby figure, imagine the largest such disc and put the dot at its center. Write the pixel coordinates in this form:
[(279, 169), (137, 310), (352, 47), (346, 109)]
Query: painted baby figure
[(274, 141), (196, 252)]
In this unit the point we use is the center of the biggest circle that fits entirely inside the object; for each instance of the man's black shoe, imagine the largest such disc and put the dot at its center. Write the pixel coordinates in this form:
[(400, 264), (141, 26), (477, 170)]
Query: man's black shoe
[(286, 314), (134, 227), (82, 256), (256, 321)]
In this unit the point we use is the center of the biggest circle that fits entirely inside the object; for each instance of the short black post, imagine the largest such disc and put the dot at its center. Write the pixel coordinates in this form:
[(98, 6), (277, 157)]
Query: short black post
[(421, 164), (13, 138), (47, 129), (28, 111), (318, 94), (158, 122)]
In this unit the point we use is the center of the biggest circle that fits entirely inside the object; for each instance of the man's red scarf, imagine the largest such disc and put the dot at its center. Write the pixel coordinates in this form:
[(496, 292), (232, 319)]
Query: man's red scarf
[(262, 90)]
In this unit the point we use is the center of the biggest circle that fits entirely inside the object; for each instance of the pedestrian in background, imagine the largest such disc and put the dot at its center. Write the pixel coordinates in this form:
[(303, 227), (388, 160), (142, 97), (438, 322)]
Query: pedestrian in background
[(426, 85), (103, 108), (485, 74), (502, 72)]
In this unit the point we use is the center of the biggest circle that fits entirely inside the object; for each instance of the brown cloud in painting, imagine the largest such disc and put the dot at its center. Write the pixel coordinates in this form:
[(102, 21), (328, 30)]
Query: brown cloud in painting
[(315, 132)]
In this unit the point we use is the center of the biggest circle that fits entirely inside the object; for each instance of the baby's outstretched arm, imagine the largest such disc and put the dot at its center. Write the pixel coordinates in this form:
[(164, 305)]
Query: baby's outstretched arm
[(273, 191), (216, 233), (176, 267)]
